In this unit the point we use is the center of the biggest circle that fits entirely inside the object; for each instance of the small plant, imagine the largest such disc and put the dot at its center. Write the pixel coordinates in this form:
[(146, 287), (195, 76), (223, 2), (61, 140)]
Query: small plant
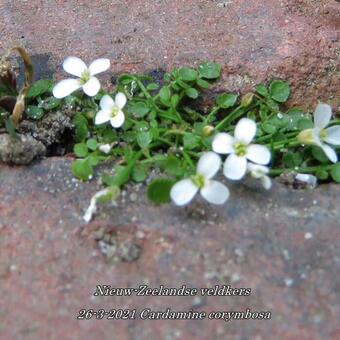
[(147, 126)]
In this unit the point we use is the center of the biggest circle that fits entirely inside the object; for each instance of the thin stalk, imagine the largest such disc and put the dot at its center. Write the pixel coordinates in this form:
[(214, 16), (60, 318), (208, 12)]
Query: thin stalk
[(307, 170)]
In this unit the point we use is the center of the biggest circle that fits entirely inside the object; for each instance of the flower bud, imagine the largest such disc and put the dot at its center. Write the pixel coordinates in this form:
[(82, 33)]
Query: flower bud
[(247, 99), (90, 114), (207, 131), (306, 137)]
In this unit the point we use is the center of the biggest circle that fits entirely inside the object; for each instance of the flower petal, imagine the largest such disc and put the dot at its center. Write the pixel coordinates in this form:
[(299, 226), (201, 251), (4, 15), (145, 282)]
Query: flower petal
[(333, 135), (183, 192), (120, 100), (99, 65), (105, 148), (66, 87), (330, 153), (245, 130), (118, 120), (223, 143), (257, 171), (322, 115), (102, 116), (208, 164), (74, 66), (106, 103), (235, 167), (215, 192), (92, 87), (258, 154), (266, 182)]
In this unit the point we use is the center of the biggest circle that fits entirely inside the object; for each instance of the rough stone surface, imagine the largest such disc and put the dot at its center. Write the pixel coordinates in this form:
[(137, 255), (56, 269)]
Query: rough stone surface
[(255, 41), (282, 244), (52, 130), (20, 151)]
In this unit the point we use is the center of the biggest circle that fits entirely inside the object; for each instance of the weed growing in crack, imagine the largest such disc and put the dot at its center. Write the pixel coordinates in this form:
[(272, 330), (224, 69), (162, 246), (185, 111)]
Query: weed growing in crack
[(146, 125)]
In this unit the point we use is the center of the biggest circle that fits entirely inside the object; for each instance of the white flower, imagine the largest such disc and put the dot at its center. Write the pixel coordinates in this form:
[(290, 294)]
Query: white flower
[(214, 192), (108, 194), (105, 148), (260, 172), (240, 149), (111, 110), (319, 135), (91, 210), (87, 80)]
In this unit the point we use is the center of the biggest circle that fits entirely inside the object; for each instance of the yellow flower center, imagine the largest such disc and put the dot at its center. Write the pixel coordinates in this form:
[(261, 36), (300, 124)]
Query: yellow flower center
[(240, 149), (323, 134), (85, 77), (198, 180), (114, 111)]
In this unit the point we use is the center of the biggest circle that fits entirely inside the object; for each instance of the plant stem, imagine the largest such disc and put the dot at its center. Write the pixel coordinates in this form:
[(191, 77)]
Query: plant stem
[(174, 132), (188, 159), (264, 138), (229, 118), (278, 145), (307, 170), (211, 114)]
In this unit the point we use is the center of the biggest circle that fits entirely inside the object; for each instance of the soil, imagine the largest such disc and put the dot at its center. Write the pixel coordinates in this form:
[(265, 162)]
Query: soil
[(54, 131), (50, 136)]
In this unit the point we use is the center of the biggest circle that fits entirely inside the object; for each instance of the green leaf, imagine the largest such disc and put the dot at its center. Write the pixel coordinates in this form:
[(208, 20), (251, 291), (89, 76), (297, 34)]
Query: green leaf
[(291, 159), (268, 128), (82, 169), (144, 138), (192, 93), (262, 90), (226, 100), (173, 166), (187, 73), (125, 79), (92, 144), (335, 172), (279, 91), (121, 176), (34, 112), (294, 115), (280, 120), (71, 101), (175, 100), (139, 108), (141, 126), (305, 123), (159, 190), (164, 94), (139, 173), (190, 141), (129, 136), (39, 87), (152, 86), (209, 70), (202, 83), (112, 195), (81, 127), (50, 103), (95, 159), (321, 174), (80, 149)]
